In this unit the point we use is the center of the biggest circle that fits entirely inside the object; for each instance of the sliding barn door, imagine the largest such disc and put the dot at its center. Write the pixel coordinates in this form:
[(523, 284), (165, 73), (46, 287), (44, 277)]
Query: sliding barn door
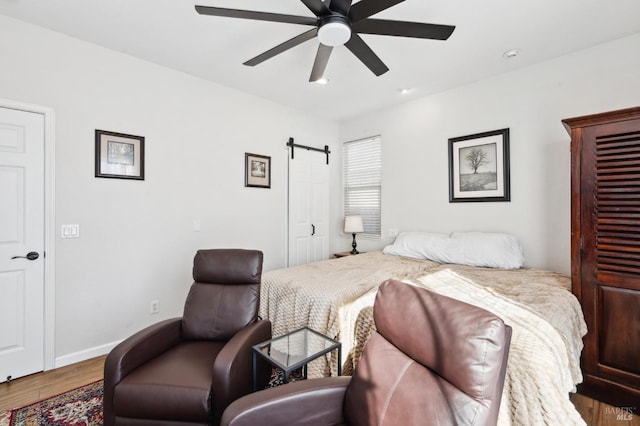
[(308, 207)]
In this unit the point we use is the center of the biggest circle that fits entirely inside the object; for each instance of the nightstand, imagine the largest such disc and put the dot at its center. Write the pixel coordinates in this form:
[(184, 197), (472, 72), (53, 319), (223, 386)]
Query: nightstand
[(344, 254)]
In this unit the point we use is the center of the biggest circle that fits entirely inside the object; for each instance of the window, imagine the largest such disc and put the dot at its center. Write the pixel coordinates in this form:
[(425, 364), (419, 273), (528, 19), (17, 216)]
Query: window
[(362, 180)]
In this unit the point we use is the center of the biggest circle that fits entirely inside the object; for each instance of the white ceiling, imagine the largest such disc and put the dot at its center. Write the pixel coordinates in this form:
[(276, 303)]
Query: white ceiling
[(171, 33)]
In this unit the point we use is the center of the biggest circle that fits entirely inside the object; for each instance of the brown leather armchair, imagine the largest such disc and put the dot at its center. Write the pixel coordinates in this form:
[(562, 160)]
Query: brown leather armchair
[(186, 371), (432, 361)]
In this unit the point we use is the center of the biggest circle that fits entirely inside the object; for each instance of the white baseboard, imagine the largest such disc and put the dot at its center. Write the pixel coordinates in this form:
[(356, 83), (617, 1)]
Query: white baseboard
[(84, 355)]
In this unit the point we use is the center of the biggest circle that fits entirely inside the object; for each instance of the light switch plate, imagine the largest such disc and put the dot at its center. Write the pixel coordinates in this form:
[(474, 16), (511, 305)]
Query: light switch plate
[(70, 231)]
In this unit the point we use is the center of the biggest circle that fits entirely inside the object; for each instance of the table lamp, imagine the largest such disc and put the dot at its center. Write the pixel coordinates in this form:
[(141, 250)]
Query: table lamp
[(353, 225)]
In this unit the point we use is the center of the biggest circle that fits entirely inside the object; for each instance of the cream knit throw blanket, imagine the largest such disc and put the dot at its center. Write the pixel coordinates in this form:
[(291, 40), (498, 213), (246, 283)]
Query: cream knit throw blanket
[(543, 364)]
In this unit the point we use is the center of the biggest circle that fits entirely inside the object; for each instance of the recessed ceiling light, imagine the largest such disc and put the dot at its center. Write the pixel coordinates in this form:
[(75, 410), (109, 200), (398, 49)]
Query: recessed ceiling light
[(511, 53), (322, 81), (405, 91)]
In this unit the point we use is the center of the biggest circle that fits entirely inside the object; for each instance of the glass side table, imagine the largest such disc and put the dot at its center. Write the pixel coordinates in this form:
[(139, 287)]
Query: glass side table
[(294, 350)]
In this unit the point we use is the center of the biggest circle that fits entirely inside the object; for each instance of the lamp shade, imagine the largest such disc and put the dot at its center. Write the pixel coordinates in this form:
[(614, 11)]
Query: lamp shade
[(353, 224)]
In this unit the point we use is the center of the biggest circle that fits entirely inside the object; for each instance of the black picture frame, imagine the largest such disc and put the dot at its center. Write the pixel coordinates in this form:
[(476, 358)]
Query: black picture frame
[(118, 155), (479, 169), (257, 171)]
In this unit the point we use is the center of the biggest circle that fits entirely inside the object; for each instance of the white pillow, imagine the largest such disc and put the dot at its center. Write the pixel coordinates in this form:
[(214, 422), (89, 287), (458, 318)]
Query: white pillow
[(491, 250), (426, 245), (488, 249)]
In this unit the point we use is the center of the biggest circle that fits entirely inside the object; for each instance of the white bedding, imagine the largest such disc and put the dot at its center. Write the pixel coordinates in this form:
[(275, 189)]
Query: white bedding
[(335, 297), (312, 295)]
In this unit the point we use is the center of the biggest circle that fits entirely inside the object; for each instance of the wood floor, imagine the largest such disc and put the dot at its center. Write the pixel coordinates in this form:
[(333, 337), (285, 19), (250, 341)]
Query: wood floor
[(597, 413), (27, 390)]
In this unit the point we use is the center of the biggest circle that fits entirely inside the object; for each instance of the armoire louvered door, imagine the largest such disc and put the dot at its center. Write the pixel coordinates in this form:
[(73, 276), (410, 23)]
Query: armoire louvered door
[(605, 208)]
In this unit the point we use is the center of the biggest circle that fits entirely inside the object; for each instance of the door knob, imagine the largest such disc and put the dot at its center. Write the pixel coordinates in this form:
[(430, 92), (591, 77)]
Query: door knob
[(32, 255)]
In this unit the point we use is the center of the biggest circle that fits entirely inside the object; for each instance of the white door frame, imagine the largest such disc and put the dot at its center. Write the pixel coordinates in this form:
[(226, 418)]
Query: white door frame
[(49, 223)]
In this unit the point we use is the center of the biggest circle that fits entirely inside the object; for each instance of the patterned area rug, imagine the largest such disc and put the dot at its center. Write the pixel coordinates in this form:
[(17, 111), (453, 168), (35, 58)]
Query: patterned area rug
[(83, 406), (277, 377), (78, 407)]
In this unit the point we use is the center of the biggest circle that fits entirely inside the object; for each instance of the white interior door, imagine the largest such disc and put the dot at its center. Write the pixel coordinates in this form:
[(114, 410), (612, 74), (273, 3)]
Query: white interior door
[(308, 207), (21, 232)]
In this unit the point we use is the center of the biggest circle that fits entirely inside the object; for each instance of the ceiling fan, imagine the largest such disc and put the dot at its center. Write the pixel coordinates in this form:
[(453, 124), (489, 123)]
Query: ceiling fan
[(338, 22)]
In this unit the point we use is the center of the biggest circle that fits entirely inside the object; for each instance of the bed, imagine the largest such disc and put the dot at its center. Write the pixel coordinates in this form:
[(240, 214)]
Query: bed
[(321, 295), (335, 297)]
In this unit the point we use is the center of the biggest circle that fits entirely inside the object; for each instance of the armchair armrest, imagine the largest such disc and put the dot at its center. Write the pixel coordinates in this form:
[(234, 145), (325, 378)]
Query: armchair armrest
[(312, 402), (233, 367), (135, 351)]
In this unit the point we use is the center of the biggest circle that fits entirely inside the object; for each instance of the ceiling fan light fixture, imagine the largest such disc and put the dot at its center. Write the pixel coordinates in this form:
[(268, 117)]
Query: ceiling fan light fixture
[(334, 31), (337, 23)]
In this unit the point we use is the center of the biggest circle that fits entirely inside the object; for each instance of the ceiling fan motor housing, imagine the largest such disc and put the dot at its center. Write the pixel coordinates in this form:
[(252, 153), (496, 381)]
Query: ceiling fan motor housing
[(334, 30)]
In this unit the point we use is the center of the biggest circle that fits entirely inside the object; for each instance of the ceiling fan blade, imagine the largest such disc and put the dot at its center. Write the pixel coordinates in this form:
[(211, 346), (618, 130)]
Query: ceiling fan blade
[(404, 29), (341, 6), (317, 7), (365, 8), (258, 16), (320, 64), (299, 39), (358, 47)]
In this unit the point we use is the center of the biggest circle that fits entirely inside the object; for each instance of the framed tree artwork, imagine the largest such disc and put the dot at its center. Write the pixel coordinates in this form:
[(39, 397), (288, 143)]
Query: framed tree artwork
[(479, 167)]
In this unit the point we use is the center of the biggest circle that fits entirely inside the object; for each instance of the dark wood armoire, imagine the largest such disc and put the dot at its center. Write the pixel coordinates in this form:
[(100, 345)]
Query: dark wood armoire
[(605, 251)]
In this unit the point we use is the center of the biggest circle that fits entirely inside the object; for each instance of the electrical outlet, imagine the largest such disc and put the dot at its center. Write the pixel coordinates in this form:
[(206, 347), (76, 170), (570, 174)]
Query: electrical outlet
[(154, 307)]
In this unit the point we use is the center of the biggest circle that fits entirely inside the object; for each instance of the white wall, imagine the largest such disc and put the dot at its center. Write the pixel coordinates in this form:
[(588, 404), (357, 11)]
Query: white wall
[(531, 102), (137, 240)]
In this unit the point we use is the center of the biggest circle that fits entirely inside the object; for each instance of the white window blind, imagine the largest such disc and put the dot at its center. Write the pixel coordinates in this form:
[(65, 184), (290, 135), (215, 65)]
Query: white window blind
[(362, 177)]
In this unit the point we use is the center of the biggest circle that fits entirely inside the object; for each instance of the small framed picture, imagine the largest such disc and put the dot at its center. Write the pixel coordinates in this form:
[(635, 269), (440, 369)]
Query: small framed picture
[(257, 170), (479, 167), (119, 156)]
